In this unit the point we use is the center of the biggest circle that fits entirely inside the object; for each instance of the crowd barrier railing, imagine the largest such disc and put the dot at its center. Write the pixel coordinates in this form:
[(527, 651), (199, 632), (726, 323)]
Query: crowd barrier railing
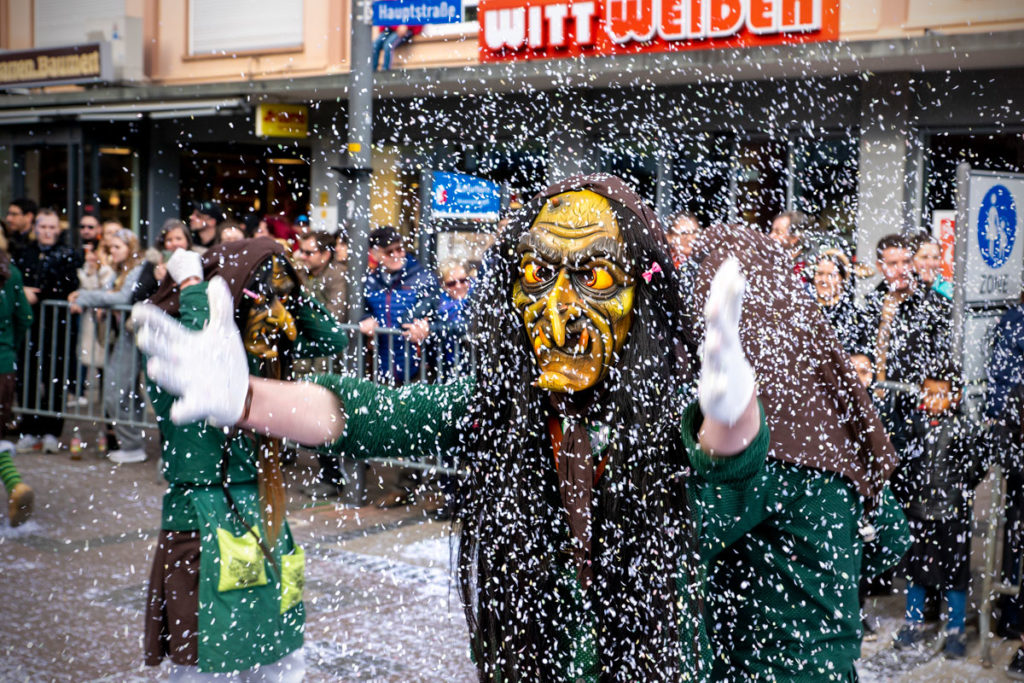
[(69, 362)]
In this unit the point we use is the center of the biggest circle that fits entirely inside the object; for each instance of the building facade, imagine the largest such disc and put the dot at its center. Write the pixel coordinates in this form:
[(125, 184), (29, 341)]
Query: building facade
[(858, 120)]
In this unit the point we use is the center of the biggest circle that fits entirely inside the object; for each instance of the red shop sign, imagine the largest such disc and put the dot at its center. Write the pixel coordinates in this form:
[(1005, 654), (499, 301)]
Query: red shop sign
[(548, 29)]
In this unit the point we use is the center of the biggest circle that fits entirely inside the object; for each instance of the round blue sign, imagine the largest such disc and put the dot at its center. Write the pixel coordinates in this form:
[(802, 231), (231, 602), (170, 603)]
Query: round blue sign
[(997, 226)]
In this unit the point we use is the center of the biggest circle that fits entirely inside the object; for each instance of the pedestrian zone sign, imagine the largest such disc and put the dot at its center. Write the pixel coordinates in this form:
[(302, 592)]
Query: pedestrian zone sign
[(416, 12), (995, 244)]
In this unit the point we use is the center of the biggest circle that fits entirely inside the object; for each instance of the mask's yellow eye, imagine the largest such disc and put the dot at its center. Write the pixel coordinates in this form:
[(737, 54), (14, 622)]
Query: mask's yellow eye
[(533, 275), (598, 278)]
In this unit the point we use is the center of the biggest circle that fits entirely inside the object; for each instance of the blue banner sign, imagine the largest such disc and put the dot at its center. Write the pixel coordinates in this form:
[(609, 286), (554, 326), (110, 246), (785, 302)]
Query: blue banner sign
[(416, 12), (456, 195)]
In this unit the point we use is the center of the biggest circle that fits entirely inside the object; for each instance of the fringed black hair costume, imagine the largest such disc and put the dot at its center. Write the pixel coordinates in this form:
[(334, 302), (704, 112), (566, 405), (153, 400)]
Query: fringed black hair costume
[(515, 577)]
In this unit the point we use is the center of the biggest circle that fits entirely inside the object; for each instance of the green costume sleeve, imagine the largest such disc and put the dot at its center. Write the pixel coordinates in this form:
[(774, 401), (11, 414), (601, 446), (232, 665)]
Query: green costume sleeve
[(892, 536), (734, 471), (22, 308), (320, 333), (409, 422)]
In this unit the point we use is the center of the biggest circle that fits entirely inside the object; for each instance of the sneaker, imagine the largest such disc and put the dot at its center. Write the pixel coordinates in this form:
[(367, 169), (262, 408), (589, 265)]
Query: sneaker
[(50, 444), (1015, 670), (19, 504), (907, 637), (321, 490), (956, 645), (127, 457), (29, 444)]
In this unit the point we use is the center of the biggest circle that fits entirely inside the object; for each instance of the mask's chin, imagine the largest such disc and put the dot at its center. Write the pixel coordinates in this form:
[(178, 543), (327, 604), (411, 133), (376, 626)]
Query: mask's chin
[(568, 380)]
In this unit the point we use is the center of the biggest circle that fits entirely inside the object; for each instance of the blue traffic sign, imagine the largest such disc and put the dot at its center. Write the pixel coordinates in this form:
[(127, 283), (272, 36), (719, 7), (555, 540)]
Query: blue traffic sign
[(997, 226), (457, 195), (416, 12)]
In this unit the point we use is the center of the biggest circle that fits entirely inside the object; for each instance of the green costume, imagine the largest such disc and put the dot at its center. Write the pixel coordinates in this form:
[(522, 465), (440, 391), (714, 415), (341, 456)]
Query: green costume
[(247, 615), (419, 419), (784, 579), (16, 319), (794, 527)]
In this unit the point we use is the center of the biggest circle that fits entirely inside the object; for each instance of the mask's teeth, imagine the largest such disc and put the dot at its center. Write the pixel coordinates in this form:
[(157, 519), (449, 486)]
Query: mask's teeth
[(581, 345)]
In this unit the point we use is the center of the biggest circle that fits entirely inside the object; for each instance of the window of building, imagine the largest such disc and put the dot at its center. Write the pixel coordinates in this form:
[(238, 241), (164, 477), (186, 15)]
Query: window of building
[(983, 151), (824, 182), (217, 27), (59, 22)]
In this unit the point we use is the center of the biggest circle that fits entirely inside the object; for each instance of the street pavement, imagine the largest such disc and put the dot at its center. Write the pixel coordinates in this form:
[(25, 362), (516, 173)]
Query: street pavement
[(380, 600)]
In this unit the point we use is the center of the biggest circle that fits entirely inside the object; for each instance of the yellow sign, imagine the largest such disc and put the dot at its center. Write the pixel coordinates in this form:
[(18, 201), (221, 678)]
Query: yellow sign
[(355, 148), (282, 120)]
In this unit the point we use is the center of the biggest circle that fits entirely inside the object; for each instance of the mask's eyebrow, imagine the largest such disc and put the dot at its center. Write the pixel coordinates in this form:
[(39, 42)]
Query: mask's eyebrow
[(529, 242), (602, 246)]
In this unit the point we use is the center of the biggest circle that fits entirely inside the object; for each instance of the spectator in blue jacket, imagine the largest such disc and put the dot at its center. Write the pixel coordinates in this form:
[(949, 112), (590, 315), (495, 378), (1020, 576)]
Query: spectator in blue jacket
[(399, 293), (1004, 407)]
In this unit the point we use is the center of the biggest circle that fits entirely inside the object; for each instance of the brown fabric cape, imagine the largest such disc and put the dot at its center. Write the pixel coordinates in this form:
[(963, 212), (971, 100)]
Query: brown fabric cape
[(234, 261), (819, 414)]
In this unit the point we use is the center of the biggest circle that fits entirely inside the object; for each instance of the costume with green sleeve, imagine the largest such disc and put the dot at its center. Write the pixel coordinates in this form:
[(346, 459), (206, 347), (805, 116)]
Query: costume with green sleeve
[(419, 420), (246, 592), (15, 321)]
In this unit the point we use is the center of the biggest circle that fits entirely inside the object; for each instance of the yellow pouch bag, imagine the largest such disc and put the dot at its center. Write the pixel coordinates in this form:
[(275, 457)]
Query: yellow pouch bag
[(241, 561), (293, 578)]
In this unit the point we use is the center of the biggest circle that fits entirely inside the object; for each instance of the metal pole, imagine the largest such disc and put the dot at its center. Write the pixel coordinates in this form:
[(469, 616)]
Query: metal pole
[(963, 180), (357, 169), (358, 163)]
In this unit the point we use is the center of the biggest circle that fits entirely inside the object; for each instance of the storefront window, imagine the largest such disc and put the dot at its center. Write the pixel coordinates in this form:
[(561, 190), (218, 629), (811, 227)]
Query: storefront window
[(989, 152), (41, 173), (111, 173), (825, 182), (760, 181), (248, 179), (699, 177), (637, 166)]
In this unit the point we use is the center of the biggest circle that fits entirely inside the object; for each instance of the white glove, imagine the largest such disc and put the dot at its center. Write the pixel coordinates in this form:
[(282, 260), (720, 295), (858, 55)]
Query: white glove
[(207, 369), (184, 264), (726, 378)]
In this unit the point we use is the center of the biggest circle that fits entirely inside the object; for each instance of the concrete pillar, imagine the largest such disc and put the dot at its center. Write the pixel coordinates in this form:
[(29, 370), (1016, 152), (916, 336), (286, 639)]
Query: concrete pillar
[(163, 177), (888, 162)]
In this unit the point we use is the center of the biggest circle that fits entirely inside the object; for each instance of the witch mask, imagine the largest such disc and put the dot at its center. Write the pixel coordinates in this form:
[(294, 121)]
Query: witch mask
[(575, 290), (268, 322)]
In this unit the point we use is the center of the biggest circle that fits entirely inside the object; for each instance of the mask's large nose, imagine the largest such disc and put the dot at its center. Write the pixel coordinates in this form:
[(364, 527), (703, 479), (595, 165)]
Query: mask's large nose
[(563, 305)]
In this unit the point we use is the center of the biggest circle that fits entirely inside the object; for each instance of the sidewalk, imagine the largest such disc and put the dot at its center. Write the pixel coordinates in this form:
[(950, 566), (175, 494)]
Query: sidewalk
[(380, 602)]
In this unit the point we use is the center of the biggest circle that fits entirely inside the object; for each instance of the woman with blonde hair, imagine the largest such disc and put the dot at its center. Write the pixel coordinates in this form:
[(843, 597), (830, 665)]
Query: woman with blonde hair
[(122, 396)]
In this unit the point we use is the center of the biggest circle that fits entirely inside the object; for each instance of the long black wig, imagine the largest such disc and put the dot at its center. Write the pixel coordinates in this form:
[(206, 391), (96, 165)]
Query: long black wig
[(516, 579)]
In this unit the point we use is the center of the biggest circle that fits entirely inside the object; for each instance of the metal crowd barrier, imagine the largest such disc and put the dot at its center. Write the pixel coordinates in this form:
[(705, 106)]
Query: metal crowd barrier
[(993, 524), (61, 380)]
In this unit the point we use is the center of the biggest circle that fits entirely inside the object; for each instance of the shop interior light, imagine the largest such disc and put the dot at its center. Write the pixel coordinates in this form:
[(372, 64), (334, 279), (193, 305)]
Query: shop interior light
[(186, 113), (285, 161), (126, 116), (119, 151)]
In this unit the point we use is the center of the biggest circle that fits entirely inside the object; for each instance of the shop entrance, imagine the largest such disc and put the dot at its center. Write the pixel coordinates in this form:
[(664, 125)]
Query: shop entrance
[(248, 179), (69, 171)]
